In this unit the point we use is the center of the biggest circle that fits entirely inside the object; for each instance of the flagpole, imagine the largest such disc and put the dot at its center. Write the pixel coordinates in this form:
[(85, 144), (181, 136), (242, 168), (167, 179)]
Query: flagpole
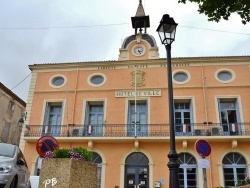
[(135, 102)]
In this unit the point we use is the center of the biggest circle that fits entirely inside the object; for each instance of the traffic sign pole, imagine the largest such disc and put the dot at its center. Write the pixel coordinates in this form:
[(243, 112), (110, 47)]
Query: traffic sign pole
[(203, 148), (204, 177)]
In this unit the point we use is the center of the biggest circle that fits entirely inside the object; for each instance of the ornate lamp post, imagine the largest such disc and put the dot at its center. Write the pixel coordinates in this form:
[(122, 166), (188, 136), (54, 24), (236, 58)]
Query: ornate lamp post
[(166, 30), (15, 139)]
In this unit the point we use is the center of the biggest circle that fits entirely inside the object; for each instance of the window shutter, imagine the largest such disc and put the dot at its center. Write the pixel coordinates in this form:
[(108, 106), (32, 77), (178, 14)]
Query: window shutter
[(237, 110), (45, 121), (86, 121), (219, 109), (191, 111)]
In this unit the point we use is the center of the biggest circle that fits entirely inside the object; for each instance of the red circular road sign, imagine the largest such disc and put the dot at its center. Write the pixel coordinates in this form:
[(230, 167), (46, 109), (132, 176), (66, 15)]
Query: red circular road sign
[(45, 144), (203, 148)]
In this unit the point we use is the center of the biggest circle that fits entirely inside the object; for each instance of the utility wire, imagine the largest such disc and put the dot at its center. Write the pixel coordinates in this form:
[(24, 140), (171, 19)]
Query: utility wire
[(216, 30), (18, 84), (62, 27), (105, 25), (21, 82)]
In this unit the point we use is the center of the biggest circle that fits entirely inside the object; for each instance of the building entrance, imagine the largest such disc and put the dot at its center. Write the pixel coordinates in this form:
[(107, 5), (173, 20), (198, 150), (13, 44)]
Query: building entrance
[(137, 171)]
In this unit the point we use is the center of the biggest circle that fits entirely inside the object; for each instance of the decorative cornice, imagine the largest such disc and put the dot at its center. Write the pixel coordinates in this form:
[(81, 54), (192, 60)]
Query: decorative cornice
[(230, 60)]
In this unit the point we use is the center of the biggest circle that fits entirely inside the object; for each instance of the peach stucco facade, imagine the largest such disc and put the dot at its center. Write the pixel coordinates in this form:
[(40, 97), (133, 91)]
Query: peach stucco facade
[(202, 89)]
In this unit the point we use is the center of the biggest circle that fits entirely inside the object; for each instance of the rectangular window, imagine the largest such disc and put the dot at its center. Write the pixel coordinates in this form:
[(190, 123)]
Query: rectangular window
[(137, 118), (53, 118), (234, 175), (11, 106), (94, 118), (229, 177), (183, 117), (187, 176), (229, 115)]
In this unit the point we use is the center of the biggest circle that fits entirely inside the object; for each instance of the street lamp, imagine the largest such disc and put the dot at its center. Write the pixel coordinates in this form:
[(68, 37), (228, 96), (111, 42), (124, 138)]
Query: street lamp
[(17, 133), (166, 31)]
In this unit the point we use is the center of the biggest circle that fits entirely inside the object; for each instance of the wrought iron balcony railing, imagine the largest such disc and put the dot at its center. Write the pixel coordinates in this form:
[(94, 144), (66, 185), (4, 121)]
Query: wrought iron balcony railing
[(142, 130)]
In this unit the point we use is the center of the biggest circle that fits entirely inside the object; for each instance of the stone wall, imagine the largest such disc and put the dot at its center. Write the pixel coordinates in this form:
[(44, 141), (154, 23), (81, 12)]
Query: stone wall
[(67, 173)]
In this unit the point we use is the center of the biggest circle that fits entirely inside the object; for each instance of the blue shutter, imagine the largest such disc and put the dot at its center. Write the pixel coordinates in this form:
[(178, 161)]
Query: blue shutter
[(46, 118), (237, 110), (86, 121)]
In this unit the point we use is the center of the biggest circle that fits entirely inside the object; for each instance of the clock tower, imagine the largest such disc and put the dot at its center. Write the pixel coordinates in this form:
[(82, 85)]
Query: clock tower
[(141, 45)]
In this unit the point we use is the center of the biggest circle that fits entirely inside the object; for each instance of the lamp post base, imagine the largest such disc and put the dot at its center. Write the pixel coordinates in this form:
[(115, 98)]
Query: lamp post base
[(173, 166)]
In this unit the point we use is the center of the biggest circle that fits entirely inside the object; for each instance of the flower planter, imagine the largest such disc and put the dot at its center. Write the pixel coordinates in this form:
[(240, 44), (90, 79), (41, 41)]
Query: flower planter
[(67, 173)]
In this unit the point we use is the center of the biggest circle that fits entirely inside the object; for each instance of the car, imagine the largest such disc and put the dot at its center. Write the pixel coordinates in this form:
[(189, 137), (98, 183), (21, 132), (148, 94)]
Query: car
[(14, 172)]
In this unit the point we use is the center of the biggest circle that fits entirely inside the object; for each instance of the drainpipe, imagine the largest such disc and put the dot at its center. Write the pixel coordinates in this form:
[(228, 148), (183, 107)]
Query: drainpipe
[(204, 88), (211, 174), (74, 103)]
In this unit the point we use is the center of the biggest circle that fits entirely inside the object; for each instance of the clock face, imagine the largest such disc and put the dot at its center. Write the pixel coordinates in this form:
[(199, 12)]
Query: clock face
[(139, 50)]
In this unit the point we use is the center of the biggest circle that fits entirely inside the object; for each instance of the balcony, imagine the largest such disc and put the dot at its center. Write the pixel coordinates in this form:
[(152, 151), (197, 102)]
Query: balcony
[(131, 130)]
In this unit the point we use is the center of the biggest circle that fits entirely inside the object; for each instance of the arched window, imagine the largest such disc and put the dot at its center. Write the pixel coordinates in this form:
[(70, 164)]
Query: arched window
[(97, 159), (187, 171), (234, 169)]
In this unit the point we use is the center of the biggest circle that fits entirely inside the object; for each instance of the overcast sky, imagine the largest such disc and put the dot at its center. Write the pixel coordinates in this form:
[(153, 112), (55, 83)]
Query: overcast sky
[(45, 31)]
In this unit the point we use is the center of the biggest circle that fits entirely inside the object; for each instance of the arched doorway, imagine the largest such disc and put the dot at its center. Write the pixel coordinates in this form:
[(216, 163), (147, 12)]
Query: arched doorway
[(136, 171)]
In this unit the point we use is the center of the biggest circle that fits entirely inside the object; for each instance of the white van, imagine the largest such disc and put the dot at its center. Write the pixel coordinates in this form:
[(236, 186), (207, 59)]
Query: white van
[(14, 172)]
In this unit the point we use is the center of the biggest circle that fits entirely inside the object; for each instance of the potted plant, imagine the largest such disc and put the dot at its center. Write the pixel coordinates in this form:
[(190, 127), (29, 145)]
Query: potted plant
[(72, 153), (68, 168)]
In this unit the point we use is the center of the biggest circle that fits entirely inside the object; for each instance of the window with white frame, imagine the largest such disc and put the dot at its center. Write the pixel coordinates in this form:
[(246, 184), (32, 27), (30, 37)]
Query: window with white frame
[(234, 169), (225, 75), (188, 171), (94, 118), (229, 115), (96, 79), (53, 118), (138, 118), (183, 116), (180, 77), (57, 81)]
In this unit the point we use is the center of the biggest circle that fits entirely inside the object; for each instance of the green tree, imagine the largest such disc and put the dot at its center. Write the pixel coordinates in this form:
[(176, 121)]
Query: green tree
[(217, 9)]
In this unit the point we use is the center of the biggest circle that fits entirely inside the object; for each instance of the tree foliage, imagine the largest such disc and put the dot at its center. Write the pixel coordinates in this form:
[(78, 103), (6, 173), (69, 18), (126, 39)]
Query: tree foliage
[(217, 9)]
